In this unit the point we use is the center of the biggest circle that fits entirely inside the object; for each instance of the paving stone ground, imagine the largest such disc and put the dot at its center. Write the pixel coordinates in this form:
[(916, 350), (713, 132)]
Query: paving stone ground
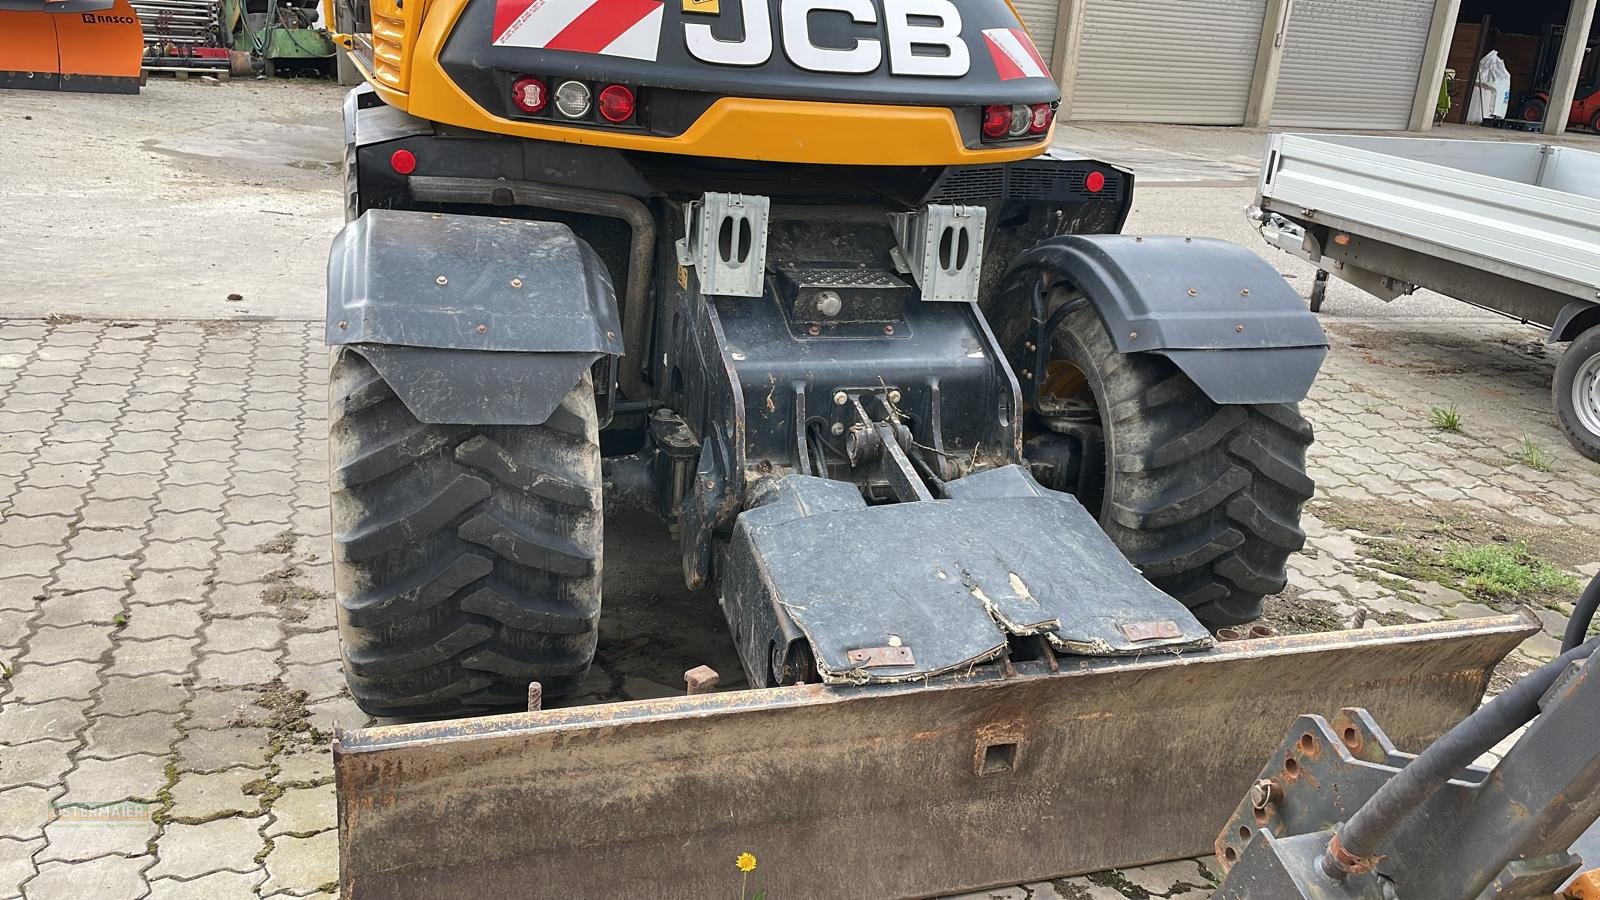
[(171, 670)]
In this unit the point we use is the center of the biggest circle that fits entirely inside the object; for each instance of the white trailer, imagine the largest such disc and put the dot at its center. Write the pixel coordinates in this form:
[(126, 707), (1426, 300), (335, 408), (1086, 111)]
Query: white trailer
[(1509, 227)]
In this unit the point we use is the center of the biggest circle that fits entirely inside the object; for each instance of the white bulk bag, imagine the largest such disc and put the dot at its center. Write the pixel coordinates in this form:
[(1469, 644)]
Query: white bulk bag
[(1491, 91)]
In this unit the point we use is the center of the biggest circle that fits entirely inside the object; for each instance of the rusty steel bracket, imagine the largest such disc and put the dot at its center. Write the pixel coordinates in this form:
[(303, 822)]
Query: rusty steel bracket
[(1505, 832)]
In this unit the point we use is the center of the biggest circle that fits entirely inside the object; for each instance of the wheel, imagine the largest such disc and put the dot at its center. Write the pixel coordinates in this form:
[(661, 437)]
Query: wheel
[(1594, 122), (1532, 111), (1204, 499), (466, 558), (1319, 291), (1577, 393)]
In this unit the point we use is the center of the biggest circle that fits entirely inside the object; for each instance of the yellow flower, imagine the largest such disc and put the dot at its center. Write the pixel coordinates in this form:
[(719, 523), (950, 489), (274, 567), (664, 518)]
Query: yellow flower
[(746, 863)]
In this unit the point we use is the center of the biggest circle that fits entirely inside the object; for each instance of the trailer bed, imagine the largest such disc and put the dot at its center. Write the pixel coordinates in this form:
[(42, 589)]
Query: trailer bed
[(1528, 212)]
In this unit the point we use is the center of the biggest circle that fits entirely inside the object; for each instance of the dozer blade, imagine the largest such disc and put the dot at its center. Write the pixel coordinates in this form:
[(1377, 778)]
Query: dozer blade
[(881, 790)]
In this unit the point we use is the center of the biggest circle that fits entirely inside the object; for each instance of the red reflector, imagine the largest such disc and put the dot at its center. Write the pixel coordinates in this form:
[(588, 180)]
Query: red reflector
[(403, 162), (530, 95), (616, 103), (1096, 182), (996, 121), (1043, 114)]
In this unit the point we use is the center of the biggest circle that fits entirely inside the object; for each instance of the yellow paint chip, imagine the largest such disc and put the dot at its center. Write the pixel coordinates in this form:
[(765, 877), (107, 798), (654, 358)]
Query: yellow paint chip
[(704, 7)]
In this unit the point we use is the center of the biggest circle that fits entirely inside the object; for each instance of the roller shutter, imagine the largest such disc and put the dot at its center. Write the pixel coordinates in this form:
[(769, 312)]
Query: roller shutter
[(1178, 61), (1352, 63), (1040, 17)]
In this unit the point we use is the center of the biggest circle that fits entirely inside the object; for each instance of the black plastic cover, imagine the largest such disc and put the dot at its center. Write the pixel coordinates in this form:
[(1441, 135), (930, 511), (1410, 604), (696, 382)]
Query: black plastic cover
[(944, 584), (1198, 301)]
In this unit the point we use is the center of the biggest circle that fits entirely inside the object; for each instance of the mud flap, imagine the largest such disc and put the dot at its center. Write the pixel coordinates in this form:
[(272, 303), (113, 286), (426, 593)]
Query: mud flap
[(881, 790)]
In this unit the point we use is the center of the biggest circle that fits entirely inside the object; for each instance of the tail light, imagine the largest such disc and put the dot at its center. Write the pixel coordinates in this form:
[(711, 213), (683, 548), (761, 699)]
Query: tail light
[(1002, 121), (1043, 115), (616, 104), (571, 101), (1095, 183), (996, 121), (530, 95), (574, 99), (403, 162)]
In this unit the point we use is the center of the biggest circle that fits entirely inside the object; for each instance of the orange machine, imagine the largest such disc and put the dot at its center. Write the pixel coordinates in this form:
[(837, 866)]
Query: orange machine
[(70, 45)]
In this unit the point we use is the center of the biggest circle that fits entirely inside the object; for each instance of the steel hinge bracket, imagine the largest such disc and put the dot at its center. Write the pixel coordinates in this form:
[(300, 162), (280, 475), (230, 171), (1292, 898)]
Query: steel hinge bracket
[(942, 248), (726, 243)]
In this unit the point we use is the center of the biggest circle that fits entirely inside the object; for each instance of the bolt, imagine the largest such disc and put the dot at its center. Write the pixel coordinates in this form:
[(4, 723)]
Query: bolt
[(1265, 793), (1028, 374), (814, 330), (829, 303), (888, 329), (1239, 328), (894, 396), (737, 356), (1138, 240), (838, 429), (344, 324), (1133, 335), (1029, 347), (1193, 292), (442, 280), (701, 680), (1245, 292), (1188, 240), (840, 398), (516, 282), (483, 329)]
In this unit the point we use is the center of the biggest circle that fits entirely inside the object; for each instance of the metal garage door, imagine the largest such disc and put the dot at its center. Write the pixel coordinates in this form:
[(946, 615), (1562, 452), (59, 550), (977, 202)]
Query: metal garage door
[(1181, 61), (1352, 63), (1040, 16)]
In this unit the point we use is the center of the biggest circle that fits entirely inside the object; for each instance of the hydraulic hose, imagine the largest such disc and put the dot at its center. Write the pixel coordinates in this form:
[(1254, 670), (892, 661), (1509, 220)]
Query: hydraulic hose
[(1355, 848), (1582, 616)]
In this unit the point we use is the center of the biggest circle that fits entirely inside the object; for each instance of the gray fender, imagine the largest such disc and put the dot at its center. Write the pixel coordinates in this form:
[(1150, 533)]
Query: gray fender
[(472, 320), (1221, 313), (1575, 318)]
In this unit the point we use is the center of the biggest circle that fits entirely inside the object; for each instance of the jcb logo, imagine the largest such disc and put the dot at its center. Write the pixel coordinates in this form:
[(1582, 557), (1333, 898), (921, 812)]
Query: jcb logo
[(932, 27), (95, 19)]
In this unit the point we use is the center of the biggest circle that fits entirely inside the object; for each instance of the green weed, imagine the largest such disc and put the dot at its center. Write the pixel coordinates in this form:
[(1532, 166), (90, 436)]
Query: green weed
[(1446, 419)]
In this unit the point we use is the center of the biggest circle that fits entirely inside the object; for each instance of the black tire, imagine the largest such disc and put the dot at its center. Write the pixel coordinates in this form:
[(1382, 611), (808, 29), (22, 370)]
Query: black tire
[(1532, 110), (1205, 499), (1319, 292), (1577, 406), (1594, 123), (466, 558)]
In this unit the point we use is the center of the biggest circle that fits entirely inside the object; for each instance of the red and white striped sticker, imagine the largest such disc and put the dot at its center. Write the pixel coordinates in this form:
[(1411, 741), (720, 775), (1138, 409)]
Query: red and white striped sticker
[(1014, 54), (630, 28)]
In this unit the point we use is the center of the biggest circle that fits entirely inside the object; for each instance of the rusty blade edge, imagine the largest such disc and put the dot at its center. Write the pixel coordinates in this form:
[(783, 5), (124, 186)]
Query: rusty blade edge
[(389, 737)]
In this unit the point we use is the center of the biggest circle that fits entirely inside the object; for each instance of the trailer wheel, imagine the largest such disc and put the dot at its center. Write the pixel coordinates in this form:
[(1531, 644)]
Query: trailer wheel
[(1319, 291), (466, 558), (1577, 393), (1205, 499)]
